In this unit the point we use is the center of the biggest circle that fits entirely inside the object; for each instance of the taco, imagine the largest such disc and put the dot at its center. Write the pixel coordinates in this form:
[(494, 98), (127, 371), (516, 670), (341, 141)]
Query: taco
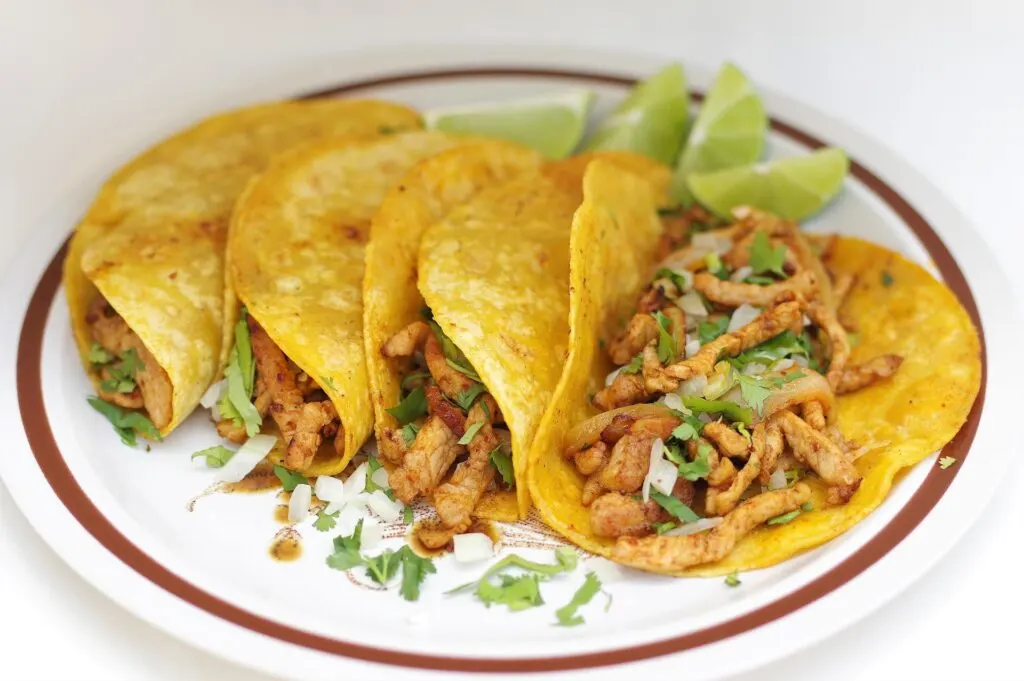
[(733, 421), (144, 274), (295, 259), (486, 307)]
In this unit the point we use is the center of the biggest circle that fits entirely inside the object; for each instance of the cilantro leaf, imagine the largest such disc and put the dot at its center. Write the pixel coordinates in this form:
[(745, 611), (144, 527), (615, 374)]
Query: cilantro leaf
[(409, 432), (414, 570), (668, 348), (374, 465), (518, 593), (503, 462), (715, 266), (680, 281), (416, 379), (807, 506), (466, 398), (793, 475), (754, 391), (235, 403), (464, 369), (289, 479), (730, 410), (764, 258), (685, 431), (784, 518), (407, 515), (566, 615), (634, 366), (326, 521), (674, 453), (742, 430), (121, 376), (709, 330), (470, 433), (733, 579), (699, 467), (759, 280), (946, 461), (887, 279), (675, 507), (216, 456), (98, 354), (412, 407), (328, 381), (786, 344), (126, 423), (383, 567), (346, 550), (662, 528)]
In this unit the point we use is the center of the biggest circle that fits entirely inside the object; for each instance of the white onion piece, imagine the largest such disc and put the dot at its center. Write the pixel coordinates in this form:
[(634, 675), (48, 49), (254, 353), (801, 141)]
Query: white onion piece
[(691, 348), (356, 482), (663, 475), (245, 459), (371, 534), (298, 505), (212, 394), (380, 478), (329, 489), (693, 386), (692, 305), (704, 417), (695, 527), (386, 509), (754, 368), (713, 242), (350, 514), (657, 450), (610, 378), (783, 364), (742, 273), (807, 321), (743, 315), (684, 274), (801, 361), (473, 547), (673, 401), (778, 479)]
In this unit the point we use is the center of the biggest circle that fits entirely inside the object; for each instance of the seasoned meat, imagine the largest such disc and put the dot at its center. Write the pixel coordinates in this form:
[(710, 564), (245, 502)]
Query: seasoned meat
[(618, 515), (405, 342), (720, 501), (727, 440), (838, 342), (859, 376), (434, 535), (452, 382), (456, 499), (654, 299), (628, 463), (773, 446), (445, 410), (641, 330), (814, 414), (590, 460), (617, 428), (817, 451), (235, 432), (626, 389), (667, 554), (654, 426), (111, 332), (734, 294), (429, 457), (842, 284)]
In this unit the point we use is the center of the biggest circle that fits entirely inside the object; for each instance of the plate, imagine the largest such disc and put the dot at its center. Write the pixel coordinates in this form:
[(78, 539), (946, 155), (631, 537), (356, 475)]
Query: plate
[(137, 526)]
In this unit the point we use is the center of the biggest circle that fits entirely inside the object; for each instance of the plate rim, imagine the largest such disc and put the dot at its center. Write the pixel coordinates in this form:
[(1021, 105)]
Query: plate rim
[(78, 504)]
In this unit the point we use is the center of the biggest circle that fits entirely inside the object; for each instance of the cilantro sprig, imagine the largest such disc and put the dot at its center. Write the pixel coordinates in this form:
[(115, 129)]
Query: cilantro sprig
[(215, 457), (412, 407), (383, 567), (99, 355), (236, 402), (127, 424), (711, 329), (730, 410), (121, 376), (674, 506), (668, 348), (289, 479), (765, 258), (501, 460), (567, 614), (518, 592)]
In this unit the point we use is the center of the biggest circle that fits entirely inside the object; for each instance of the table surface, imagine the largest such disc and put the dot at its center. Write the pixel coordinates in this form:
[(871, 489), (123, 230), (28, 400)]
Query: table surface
[(936, 81)]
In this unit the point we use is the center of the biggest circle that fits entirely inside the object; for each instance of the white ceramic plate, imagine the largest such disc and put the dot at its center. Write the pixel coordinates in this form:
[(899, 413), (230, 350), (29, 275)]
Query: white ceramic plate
[(121, 517)]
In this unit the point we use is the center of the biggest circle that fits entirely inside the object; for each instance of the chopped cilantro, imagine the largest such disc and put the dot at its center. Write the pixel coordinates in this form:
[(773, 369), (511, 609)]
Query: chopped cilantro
[(126, 423), (414, 570), (946, 461), (326, 521), (409, 432), (634, 366), (328, 381), (680, 281), (674, 453), (699, 467), (730, 410), (784, 518), (374, 465), (566, 615), (668, 349), (466, 398), (215, 456), (887, 279), (759, 280), (289, 479), (383, 567), (503, 462), (675, 507), (466, 370), (786, 344), (733, 579), (793, 475), (98, 354), (754, 390), (685, 431), (662, 528), (518, 593), (709, 330), (346, 550), (764, 258), (407, 515), (715, 266), (742, 430), (235, 403), (412, 407), (807, 506), (416, 379), (470, 433), (121, 376)]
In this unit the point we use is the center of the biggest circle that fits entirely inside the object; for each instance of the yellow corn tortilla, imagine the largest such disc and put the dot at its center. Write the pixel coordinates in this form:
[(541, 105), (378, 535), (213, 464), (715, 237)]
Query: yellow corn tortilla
[(898, 422), (295, 259), (153, 240)]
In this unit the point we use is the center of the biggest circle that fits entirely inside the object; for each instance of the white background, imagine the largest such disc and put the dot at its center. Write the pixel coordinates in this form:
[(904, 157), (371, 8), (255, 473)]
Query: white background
[(940, 82)]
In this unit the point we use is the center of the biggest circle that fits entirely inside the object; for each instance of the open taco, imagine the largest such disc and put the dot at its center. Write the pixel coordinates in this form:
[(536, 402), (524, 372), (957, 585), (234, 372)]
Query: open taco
[(144, 274), (714, 414), (295, 260), (466, 341)]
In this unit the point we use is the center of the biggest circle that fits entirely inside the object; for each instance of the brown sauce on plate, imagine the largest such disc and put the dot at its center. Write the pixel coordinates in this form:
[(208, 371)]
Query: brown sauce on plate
[(286, 546)]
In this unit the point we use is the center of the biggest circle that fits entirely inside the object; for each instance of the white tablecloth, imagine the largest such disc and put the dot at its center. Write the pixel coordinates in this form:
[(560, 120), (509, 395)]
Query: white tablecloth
[(937, 81)]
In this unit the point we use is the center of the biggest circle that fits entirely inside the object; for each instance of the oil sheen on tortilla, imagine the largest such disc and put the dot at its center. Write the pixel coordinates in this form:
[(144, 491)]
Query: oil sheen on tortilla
[(153, 240)]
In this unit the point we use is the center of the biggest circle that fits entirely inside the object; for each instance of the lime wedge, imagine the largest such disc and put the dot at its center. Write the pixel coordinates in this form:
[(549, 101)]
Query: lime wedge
[(651, 120), (729, 130), (792, 188), (552, 124)]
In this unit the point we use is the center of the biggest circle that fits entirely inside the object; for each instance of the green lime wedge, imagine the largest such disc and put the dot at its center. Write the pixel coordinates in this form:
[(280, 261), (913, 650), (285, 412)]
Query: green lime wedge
[(651, 120), (552, 124), (792, 188), (729, 130)]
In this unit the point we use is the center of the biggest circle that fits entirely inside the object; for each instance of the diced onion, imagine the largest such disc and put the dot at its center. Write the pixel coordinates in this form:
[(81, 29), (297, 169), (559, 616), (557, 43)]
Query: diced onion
[(742, 273), (245, 459), (778, 479), (350, 514), (610, 378), (721, 381), (329, 489), (663, 475), (212, 394), (783, 364), (298, 505), (693, 386), (588, 432), (673, 401), (473, 547), (711, 241), (807, 321), (754, 368), (695, 527), (692, 305), (386, 509), (657, 450), (684, 274), (801, 361), (743, 315), (371, 535), (356, 482), (691, 348), (380, 478), (704, 417)]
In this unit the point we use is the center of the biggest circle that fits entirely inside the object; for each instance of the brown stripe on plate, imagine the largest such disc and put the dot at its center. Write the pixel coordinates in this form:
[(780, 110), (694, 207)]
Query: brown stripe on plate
[(67, 489)]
